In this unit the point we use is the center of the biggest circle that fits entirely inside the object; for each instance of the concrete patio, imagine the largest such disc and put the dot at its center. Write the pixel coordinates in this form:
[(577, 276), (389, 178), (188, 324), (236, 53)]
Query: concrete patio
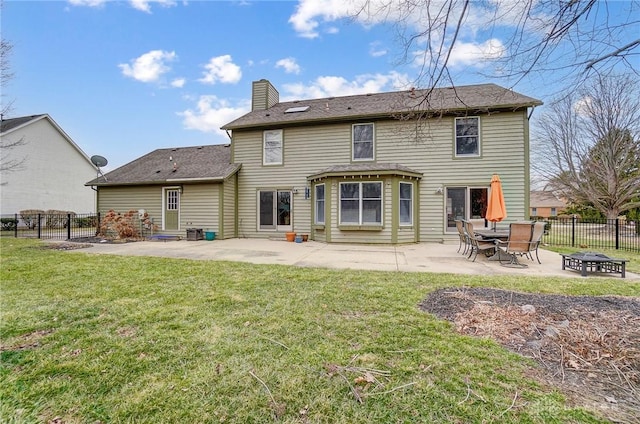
[(421, 257)]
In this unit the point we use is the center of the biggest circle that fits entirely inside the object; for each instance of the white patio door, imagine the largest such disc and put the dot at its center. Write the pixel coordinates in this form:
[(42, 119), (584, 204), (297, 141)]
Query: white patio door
[(274, 210)]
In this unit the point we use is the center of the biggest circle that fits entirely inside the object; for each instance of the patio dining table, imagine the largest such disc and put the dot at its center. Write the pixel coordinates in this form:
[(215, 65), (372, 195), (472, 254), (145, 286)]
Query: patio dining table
[(497, 234), (489, 233)]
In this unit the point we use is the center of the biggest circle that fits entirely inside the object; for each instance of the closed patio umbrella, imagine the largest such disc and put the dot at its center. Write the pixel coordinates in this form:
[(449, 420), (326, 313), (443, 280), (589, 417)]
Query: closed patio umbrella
[(496, 210)]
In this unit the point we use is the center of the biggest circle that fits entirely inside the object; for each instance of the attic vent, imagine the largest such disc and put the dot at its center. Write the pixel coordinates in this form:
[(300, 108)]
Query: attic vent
[(297, 109)]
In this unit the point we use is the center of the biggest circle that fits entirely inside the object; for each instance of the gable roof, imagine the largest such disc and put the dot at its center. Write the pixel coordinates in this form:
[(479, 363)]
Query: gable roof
[(210, 163), (482, 97), (10, 125), (545, 199)]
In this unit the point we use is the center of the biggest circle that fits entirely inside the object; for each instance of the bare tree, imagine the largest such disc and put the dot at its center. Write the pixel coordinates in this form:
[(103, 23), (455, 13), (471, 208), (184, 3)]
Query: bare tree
[(588, 145), (573, 39), (7, 162)]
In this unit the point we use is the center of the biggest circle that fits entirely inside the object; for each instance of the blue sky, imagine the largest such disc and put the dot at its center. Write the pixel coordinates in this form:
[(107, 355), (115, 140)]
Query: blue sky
[(123, 78)]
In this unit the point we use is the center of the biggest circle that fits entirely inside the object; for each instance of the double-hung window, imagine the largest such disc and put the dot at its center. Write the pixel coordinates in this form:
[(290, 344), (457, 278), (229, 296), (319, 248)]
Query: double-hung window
[(361, 203), (363, 139), (406, 204), (272, 147), (319, 200), (468, 136)]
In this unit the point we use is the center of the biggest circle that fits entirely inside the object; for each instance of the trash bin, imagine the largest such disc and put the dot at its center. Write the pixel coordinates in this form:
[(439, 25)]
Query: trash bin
[(210, 235), (194, 234)]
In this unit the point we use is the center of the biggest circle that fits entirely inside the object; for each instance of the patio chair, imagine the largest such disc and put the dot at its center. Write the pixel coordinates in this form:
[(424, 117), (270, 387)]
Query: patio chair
[(464, 240), (520, 243), (536, 238), (476, 243)]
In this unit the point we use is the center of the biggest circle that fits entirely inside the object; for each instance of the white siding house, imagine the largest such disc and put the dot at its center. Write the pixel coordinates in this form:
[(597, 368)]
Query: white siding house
[(50, 168)]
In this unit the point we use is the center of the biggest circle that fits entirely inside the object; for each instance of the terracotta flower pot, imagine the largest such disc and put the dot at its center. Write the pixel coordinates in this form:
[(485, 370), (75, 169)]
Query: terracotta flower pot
[(290, 236)]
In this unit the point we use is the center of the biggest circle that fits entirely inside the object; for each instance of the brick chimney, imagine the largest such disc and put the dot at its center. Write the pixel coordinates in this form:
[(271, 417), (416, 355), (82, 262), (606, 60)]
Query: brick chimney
[(263, 95)]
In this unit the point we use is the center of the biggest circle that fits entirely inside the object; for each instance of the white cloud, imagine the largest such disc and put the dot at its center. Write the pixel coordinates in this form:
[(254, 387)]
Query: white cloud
[(178, 82), (583, 106), (142, 5), (289, 65), (474, 54), (89, 3), (221, 69), (329, 86), (145, 5), (376, 49), (211, 113), (149, 67)]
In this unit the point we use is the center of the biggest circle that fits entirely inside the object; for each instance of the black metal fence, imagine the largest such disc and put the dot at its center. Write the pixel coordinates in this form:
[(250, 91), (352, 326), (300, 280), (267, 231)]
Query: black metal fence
[(593, 234), (50, 226)]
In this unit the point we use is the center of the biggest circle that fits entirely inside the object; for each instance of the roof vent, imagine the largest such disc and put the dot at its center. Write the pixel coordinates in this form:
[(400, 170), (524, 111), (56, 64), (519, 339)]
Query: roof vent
[(297, 109)]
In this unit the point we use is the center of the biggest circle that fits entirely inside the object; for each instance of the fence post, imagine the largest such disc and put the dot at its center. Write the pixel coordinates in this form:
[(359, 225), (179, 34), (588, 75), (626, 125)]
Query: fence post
[(97, 224), (15, 228), (573, 231), (39, 225), (617, 233), (68, 226)]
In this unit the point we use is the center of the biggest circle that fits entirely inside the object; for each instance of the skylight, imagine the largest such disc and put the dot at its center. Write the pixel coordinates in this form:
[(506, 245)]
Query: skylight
[(297, 109)]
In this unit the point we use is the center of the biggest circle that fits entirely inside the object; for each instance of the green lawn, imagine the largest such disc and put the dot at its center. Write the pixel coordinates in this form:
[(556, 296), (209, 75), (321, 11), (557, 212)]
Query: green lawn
[(89, 338)]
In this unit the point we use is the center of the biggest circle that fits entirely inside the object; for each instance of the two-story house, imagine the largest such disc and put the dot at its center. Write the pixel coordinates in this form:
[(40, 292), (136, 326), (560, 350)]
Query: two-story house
[(46, 168), (379, 168), (396, 167)]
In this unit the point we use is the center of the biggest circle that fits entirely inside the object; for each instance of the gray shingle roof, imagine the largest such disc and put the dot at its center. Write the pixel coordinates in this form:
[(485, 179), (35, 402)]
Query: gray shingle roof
[(11, 123), (482, 97), (545, 199), (192, 164), (365, 168)]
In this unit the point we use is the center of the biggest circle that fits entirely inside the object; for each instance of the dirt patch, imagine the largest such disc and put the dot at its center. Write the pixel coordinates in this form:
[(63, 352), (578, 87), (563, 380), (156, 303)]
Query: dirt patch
[(587, 346)]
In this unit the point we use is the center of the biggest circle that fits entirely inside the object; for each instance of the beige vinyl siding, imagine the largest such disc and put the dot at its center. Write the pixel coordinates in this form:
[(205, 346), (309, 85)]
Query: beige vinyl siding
[(198, 204), (124, 199), (228, 206), (306, 151), (199, 207), (310, 149), (502, 152)]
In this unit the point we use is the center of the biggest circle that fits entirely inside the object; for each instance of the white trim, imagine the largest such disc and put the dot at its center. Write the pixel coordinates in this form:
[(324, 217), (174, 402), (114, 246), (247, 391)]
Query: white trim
[(360, 201), (455, 139), (400, 223), (164, 206), (373, 142), (264, 150)]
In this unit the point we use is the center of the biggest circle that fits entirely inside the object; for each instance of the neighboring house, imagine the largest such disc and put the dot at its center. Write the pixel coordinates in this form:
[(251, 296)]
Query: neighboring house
[(179, 188), (363, 169), (341, 169), (545, 204), (50, 169)]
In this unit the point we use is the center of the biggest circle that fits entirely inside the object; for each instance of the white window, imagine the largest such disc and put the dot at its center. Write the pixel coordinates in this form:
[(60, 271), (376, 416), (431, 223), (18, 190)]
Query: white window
[(554, 212), (362, 147), (534, 211), (468, 136), (272, 147), (361, 203), (319, 204), (406, 204)]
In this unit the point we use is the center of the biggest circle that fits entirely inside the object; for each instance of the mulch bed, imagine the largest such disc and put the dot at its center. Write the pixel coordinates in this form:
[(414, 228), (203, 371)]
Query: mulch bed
[(587, 346)]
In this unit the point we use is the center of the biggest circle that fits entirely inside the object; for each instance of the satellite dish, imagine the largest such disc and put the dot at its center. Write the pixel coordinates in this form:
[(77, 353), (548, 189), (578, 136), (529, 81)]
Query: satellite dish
[(98, 160)]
